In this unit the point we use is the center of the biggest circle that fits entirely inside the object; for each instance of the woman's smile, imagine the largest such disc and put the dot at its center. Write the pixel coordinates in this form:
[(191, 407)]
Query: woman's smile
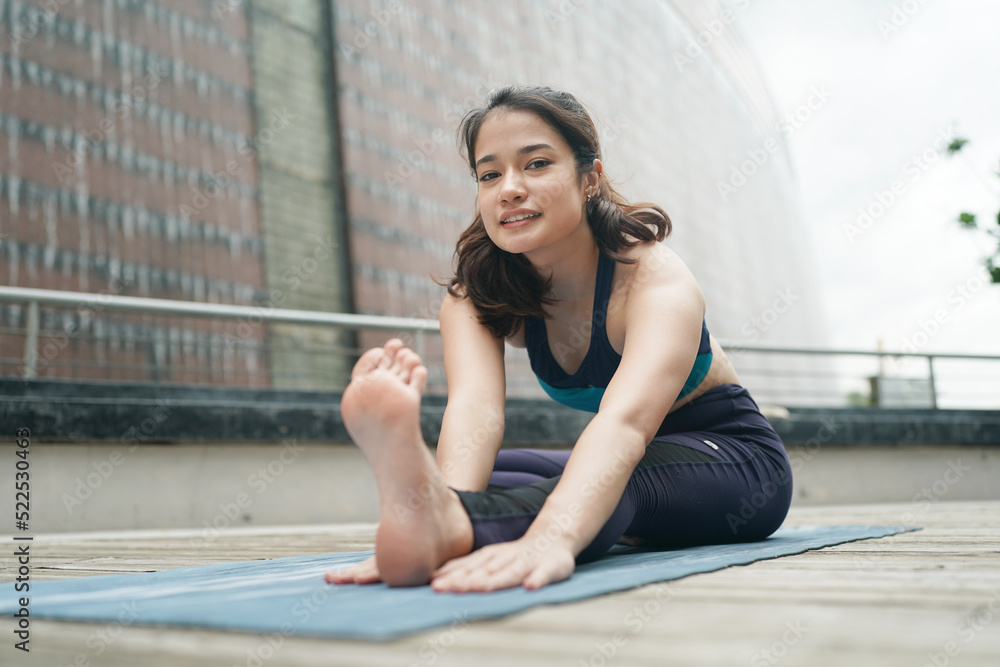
[(518, 218)]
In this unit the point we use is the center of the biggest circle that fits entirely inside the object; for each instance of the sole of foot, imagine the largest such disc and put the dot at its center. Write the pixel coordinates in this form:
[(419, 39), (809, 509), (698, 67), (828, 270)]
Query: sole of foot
[(422, 523)]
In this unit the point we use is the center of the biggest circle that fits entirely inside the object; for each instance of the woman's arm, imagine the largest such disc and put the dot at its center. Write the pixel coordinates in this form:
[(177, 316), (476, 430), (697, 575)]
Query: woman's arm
[(473, 425), (663, 315)]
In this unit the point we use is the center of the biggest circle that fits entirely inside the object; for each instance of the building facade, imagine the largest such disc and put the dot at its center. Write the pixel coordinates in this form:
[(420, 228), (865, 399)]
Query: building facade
[(685, 120), (302, 154)]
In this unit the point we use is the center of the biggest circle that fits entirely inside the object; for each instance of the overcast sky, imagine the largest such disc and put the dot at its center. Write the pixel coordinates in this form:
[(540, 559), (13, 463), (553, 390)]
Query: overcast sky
[(901, 74)]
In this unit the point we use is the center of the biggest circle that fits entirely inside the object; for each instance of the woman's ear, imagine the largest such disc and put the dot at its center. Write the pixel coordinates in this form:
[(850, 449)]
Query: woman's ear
[(594, 176)]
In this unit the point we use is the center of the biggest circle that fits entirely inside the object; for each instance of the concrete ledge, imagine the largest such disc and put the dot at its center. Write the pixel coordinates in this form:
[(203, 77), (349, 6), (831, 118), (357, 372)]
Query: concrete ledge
[(216, 486), (921, 475), (77, 411), (211, 486), (129, 413), (80, 411), (853, 427)]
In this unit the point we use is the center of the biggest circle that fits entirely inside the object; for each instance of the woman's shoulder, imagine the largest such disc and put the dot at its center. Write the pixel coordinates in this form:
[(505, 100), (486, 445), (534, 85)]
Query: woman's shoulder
[(657, 280), (655, 265)]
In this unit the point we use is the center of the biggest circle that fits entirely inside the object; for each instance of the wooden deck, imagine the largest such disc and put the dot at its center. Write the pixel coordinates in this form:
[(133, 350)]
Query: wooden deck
[(925, 598)]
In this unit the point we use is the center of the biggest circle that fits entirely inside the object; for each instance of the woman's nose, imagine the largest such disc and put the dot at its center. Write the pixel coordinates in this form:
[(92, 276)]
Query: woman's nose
[(513, 187)]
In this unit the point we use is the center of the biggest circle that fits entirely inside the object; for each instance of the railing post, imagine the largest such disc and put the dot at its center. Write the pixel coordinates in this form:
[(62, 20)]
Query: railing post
[(31, 341), (930, 368), (418, 344)]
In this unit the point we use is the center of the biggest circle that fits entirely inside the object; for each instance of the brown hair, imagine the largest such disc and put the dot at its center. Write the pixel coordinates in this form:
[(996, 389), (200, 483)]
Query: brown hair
[(504, 286)]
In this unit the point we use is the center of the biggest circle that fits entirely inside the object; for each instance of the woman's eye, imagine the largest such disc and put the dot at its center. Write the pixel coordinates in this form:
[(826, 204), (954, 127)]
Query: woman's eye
[(488, 176), (538, 164)]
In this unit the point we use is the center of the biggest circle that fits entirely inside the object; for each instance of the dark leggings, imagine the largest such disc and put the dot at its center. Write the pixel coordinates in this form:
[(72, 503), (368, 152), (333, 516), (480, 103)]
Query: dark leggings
[(716, 472)]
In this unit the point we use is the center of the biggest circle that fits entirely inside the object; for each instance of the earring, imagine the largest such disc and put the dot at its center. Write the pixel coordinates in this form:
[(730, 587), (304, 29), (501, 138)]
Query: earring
[(588, 197)]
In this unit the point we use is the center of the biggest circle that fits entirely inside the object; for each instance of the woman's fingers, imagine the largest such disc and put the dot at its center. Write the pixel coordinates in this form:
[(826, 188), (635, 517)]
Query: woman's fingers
[(504, 565), (477, 581), (456, 564), (491, 568), (365, 572), (460, 576)]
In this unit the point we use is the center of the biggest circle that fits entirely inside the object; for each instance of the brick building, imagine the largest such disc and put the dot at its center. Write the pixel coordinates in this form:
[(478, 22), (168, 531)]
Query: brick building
[(302, 154)]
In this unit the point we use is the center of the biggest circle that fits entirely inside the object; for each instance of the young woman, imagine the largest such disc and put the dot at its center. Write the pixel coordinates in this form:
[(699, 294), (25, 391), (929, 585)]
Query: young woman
[(614, 322)]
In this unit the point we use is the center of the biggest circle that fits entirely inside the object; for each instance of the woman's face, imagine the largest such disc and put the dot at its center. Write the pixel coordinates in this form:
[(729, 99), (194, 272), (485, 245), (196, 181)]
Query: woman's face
[(530, 195)]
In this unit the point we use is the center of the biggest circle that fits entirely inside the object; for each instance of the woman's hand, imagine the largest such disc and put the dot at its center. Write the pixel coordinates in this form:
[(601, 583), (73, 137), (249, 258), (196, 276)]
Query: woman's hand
[(523, 562), (365, 572)]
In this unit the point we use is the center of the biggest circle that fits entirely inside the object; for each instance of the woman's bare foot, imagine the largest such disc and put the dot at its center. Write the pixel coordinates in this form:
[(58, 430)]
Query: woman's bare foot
[(422, 523)]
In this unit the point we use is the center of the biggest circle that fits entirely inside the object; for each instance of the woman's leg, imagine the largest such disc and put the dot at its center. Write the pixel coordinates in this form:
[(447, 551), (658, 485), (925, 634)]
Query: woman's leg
[(731, 483), (691, 486), (520, 467), (422, 523), (741, 496)]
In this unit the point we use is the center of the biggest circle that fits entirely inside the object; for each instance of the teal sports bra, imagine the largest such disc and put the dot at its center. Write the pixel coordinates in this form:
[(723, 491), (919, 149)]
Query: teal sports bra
[(584, 389)]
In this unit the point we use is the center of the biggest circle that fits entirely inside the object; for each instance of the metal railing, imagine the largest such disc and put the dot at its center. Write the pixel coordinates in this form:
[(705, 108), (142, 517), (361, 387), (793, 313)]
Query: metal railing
[(34, 298), (932, 381), (103, 302)]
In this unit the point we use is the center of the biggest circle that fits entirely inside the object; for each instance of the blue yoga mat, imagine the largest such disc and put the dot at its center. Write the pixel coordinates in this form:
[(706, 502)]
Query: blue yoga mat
[(288, 595)]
